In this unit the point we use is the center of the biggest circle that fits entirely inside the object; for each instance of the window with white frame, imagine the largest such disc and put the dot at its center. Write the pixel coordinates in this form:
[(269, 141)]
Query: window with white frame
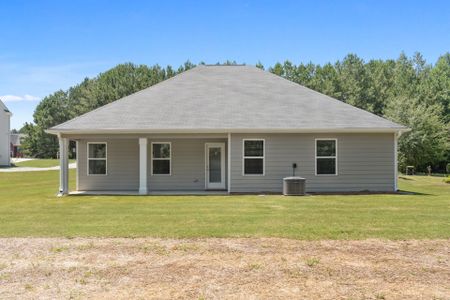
[(97, 159), (326, 157), (253, 157), (161, 158)]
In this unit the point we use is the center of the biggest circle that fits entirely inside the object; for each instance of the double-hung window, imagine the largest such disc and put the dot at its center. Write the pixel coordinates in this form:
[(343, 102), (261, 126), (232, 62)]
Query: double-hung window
[(326, 157), (253, 162), (97, 159), (161, 158)]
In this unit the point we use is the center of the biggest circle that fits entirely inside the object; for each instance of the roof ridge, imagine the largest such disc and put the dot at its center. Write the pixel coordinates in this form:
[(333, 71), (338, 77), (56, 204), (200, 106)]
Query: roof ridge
[(224, 65)]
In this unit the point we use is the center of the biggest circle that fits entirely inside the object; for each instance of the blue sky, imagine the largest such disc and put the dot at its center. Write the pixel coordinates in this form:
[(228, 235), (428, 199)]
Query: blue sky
[(51, 45)]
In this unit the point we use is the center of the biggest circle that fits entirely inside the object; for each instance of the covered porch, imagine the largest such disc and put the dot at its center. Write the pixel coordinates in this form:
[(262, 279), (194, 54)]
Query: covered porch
[(153, 164)]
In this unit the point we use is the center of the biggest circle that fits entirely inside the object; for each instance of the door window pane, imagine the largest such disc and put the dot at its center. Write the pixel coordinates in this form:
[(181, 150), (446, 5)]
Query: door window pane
[(215, 167)]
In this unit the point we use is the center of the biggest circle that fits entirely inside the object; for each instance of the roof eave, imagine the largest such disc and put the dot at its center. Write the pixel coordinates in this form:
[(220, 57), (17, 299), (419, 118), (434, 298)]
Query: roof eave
[(56, 131)]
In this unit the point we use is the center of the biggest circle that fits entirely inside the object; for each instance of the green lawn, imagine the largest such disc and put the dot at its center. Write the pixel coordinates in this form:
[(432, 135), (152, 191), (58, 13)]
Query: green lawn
[(40, 163), (28, 207)]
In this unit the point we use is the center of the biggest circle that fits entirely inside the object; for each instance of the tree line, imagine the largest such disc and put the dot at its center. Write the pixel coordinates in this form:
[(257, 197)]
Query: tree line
[(406, 90)]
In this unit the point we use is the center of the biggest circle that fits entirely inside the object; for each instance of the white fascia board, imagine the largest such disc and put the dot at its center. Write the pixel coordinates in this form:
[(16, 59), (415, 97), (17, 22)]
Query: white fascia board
[(229, 130)]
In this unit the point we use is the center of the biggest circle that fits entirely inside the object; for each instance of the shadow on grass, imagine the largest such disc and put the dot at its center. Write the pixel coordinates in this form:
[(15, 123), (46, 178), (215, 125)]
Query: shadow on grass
[(8, 167), (237, 195), (401, 192)]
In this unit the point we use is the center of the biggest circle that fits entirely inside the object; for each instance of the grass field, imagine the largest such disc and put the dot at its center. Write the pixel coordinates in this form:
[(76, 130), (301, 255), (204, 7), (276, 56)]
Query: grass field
[(28, 207), (40, 163)]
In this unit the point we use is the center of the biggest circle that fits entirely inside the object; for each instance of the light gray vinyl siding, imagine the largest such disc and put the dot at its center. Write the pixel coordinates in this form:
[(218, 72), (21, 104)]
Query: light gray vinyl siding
[(122, 166), (188, 165), (365, 162)]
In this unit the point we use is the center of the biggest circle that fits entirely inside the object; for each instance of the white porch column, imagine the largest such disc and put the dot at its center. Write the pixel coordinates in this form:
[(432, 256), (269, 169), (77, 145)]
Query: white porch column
[(396, 136), (229, 162), (63, 166), (142, 166)]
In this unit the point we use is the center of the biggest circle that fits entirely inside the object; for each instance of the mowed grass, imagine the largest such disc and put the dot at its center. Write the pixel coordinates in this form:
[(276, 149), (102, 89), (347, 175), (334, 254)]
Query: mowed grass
[(29, 207), (40, 163)]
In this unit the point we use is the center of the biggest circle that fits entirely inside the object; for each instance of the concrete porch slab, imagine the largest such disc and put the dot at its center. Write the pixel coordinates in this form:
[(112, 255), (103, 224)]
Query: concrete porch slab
[(150, 193)]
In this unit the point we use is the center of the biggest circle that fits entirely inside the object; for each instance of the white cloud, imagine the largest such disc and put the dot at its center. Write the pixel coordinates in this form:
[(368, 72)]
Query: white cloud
[(15, 98), (30, 98)]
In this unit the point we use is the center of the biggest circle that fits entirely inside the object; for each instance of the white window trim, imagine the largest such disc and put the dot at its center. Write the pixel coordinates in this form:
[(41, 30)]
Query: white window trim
[(155, 158), (258, 157), (105, 159), (335, 156)]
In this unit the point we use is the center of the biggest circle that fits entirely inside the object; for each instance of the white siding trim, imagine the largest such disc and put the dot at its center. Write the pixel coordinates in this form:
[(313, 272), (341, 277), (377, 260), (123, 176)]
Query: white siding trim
[(105, 159), (335, 157), (233, 130), (143, 189), (257, 157), (77, 144), (169, 159), (63, 166), (229, 162)]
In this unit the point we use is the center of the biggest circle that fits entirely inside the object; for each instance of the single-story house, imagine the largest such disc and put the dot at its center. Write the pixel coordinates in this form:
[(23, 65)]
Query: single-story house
[(5, 119), (234, 129)]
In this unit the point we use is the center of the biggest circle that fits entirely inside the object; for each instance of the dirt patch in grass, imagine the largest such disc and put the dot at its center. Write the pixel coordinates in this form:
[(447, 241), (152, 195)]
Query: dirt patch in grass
[(223, 268)]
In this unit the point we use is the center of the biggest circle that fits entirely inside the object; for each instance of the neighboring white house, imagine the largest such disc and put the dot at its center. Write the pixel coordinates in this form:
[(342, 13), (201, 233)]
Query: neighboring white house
[(5, 116)]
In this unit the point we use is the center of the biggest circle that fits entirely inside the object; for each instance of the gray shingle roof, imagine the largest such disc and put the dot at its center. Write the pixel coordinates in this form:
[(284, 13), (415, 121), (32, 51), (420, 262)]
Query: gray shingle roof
[(226, 98)]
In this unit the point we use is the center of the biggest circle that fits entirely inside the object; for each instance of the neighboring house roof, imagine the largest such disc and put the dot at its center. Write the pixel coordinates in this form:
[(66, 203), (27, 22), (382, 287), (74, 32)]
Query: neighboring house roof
[(3, 107), (15, 138), (226, 99)]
